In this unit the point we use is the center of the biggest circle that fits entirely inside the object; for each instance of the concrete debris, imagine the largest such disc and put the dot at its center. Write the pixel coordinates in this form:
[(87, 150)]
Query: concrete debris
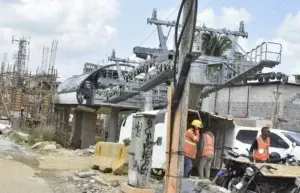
[(115, 183), (99, 180), (46, 145), (91, 149), (89, 181), (105, 169), (36, 145), (85, 152), (95, 167), (206, 186), (75, 178), (49, 147), (120, 167), (85, 174)]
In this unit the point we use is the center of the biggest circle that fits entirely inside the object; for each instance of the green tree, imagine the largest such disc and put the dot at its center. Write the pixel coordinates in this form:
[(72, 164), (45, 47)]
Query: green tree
[(214, 45)]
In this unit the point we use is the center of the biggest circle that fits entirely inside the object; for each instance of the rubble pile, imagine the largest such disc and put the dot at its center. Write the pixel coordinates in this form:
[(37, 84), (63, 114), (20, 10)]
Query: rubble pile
[(93, 181), (206, 186), (46, 146), (85, 152)]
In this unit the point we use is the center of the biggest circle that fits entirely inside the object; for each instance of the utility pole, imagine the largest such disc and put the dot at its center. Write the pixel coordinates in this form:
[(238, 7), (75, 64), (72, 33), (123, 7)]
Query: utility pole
[(175, 171), (275, 115)]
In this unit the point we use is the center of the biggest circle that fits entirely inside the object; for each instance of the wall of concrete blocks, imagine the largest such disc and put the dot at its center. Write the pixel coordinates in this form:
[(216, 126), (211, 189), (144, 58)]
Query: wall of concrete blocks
[(257, 100)]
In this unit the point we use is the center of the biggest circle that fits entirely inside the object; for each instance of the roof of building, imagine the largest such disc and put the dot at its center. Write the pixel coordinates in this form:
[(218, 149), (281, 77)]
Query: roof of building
[(266, 83)]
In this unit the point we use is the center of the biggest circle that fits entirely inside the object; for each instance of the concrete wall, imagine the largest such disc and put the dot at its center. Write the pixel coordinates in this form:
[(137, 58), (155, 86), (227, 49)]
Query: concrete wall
[(257, 100)]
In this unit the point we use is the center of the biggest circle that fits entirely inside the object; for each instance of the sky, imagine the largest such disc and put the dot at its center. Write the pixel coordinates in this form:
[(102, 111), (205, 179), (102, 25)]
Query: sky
[(88, 30)]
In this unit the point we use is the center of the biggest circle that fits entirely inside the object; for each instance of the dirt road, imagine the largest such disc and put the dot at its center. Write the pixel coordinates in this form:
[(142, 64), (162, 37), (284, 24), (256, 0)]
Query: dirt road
[(19, 178), (20, 172), (24, 170)]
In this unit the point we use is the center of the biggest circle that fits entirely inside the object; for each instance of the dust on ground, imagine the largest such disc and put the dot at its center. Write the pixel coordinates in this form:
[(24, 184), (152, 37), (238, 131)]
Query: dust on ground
[(20, 172), (51, 169)]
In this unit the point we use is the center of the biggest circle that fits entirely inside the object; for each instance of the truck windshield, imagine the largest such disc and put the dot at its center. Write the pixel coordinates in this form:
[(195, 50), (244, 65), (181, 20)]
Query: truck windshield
[(294, 137)]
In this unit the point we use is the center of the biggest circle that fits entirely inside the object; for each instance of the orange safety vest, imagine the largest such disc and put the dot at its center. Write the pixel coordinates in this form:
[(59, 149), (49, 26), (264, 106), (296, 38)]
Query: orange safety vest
[(190, 145), (208, 146), (22, 107), (262, 151)]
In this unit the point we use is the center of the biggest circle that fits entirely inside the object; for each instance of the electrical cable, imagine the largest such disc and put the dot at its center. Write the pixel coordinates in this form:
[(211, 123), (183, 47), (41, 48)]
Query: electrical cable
[(176, 37), (194, 26), (155, 30), (177, 42), (186, 66)]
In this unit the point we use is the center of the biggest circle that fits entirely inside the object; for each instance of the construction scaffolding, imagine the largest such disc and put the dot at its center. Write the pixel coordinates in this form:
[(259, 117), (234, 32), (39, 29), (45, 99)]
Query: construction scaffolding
[(25, 96)]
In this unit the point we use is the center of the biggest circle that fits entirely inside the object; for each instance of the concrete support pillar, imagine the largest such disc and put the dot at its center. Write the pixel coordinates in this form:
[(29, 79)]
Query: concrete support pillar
[(140, 150), (66, 118), (76, 129), (195, 91), (88, 129), (148, 106), (113, 125)]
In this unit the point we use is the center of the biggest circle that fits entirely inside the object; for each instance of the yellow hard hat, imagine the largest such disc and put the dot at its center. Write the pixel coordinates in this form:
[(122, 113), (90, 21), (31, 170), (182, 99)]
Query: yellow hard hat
[(197, 123)]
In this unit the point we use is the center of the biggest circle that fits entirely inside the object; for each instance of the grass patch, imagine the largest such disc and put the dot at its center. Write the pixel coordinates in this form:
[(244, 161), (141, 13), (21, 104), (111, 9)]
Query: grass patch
[(41, 133), (15, 137), (36, 134)]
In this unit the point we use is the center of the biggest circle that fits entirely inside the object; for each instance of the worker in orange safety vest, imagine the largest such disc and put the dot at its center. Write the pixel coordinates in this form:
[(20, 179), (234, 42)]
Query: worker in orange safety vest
[(22, 110), (207, 151), (260, 146), (190, 146)]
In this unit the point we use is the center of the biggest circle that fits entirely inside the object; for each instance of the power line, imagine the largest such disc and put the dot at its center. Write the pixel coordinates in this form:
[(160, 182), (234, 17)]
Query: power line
[(267, 12), (155, 30)]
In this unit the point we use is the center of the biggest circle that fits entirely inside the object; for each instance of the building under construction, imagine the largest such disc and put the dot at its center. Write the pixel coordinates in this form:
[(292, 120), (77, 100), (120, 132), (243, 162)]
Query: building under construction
[(24, 94)]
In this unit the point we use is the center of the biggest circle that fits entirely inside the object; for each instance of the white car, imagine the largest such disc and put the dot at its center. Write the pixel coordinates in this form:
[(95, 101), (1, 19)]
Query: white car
[(5, 125), (281, 140)]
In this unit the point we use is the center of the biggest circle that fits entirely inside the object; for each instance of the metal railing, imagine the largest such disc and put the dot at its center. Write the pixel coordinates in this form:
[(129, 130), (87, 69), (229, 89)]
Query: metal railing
[(262, 53)]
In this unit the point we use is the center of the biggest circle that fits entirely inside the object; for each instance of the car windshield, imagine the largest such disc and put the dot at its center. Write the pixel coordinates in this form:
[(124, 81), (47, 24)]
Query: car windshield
[(294, 137)]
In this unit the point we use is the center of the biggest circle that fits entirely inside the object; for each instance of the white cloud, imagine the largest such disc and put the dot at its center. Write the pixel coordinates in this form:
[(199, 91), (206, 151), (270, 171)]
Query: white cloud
[(288, 35), (79, 26)]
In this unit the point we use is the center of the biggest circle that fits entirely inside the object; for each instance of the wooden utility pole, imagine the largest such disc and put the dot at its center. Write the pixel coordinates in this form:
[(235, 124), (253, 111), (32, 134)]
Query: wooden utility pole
[(175, 173)]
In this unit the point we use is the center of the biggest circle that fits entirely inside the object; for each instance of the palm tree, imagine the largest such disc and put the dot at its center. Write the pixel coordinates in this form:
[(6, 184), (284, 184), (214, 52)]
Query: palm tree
[(214, 45)]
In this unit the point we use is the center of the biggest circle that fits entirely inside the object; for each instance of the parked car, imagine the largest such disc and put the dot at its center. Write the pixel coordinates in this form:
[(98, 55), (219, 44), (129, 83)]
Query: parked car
[(5, 125), (281, 140)]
